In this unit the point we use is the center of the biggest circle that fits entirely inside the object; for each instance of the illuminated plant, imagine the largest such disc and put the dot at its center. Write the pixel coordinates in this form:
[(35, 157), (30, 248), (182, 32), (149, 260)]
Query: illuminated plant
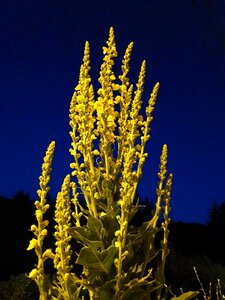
[(39, 230), (118, 260)]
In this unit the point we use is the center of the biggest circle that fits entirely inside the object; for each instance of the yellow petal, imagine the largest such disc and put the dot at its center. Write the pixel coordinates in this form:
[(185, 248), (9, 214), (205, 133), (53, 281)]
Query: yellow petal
[(32, 245), (48, 253), (33, 274)]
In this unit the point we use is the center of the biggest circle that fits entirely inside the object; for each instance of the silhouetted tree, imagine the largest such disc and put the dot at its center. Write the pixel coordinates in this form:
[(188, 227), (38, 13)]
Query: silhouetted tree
[(21, 197), (216, 239), (190, 239), (180, 273)]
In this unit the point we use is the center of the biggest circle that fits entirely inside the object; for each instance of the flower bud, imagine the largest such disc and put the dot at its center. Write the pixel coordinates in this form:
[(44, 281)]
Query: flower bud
[(33, 274), (33, 228), (48, 253), (44, 232)]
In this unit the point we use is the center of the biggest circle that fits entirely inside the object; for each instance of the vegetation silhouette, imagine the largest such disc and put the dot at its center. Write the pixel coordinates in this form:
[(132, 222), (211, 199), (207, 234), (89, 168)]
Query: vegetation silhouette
[(216, 231)]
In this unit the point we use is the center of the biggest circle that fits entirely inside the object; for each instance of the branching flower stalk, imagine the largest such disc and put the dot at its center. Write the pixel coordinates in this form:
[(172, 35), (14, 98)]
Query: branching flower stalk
[(108, 136)]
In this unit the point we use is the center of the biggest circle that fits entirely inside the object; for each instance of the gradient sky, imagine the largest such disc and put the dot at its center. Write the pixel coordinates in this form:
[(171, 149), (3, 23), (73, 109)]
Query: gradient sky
[(184, 45)]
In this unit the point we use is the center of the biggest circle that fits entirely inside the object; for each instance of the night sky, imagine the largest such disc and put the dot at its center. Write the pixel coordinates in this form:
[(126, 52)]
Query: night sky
[(184, 45)]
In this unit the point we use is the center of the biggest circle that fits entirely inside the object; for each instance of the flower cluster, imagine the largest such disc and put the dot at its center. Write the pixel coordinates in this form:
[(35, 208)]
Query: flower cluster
[(39, 230), (63, 250), (107, 143), (109, 136), (108, 140)]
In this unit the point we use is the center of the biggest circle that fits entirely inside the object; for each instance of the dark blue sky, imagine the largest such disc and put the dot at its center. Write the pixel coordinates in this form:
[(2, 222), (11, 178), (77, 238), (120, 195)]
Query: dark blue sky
[(184, 45)]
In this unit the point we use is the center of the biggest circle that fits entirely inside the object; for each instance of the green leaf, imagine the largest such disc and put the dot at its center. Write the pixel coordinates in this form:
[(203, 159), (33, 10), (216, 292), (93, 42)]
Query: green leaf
[(96, 226), (86, 237), (81, 233), (186, 296), (96, 245), (112, 252), (144, 237), (110, 224), (107, 290), (102, 203), (136, 293), (97, 261)]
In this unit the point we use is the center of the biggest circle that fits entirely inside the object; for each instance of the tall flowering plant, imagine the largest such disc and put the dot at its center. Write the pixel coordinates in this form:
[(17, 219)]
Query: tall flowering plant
[(118, 260)]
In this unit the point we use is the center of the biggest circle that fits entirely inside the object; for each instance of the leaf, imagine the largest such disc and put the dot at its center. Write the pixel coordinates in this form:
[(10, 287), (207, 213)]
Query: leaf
[(86, 237), (111, 224), (112, 252), (136, 293), (96, 226), (107, 290), (98, 261), (102, 202), (144, 237), (186, 296)]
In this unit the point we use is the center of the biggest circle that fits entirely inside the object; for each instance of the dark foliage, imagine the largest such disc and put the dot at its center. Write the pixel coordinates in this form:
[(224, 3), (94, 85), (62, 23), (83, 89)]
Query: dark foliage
[(216, 238), (180, 274), (190, 239), (16, 217), (19, 287)]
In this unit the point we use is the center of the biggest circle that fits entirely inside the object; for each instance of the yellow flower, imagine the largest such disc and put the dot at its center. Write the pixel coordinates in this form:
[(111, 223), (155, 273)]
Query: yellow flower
[(48, 253), (33, 228), (110, 121), (95, 152), (33, 244), (102, 214), (99, 107), (163, 163), (41, 207), (44, 232), (117, 244), (38, 214), (46, 167), (110, 118), (62, 218), (96, 195), (33, 274)]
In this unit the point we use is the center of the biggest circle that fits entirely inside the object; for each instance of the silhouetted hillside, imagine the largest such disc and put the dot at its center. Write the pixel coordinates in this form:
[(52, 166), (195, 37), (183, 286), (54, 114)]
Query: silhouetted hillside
[(16, 217)]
